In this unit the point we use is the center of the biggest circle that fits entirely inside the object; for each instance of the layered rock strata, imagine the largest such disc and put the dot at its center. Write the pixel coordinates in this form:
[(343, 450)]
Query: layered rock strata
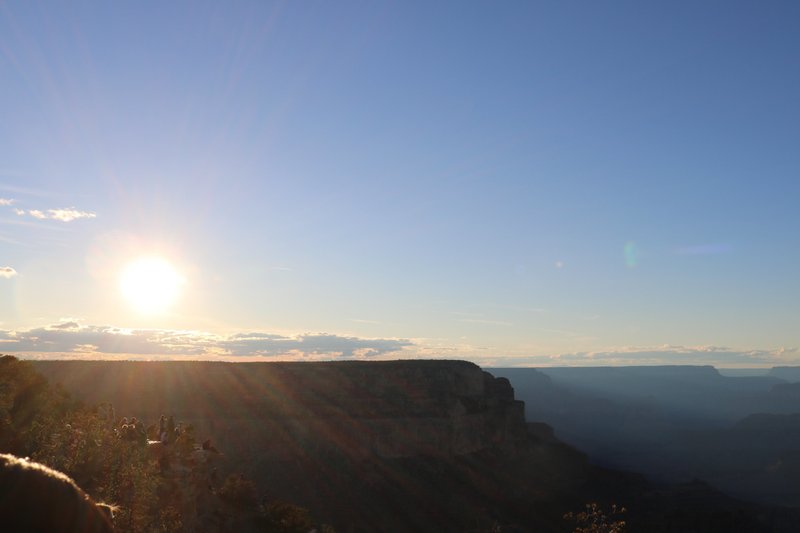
[(387, 409)]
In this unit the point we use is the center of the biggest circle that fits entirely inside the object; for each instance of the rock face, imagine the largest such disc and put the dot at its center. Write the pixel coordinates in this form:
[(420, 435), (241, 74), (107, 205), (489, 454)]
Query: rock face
[(387, 409)]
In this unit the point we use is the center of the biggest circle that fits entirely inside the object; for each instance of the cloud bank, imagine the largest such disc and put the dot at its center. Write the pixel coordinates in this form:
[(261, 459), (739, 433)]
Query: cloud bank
[(74, 340), (6, 201), (7, 272)]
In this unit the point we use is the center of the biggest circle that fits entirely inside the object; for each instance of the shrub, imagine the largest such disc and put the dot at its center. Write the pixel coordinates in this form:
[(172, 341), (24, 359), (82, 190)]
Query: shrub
[(282, 517)]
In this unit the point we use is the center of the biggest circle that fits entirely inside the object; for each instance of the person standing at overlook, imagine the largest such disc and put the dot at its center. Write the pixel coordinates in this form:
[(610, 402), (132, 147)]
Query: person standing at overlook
[(162, 429), (170, 430)]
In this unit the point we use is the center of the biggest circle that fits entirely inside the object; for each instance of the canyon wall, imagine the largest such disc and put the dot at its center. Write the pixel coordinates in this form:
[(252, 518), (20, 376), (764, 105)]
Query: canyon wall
[(389, 409)]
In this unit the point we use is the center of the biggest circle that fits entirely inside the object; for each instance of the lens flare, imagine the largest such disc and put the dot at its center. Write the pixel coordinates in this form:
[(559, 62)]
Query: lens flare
[(631, 255)]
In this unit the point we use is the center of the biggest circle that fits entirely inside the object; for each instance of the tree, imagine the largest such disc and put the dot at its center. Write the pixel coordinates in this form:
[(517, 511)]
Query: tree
[(594, 519)]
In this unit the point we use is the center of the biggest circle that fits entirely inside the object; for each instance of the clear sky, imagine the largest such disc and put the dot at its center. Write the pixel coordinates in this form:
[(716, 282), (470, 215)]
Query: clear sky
[(507, 182)]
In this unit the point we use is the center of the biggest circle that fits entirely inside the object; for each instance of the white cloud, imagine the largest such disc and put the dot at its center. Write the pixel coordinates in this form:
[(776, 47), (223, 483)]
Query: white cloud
[(7, 272), (66, 214), (6, 201), (69, 214)]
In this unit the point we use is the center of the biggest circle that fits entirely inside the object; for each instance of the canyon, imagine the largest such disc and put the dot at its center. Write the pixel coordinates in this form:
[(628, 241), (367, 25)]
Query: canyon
[(396, 445)]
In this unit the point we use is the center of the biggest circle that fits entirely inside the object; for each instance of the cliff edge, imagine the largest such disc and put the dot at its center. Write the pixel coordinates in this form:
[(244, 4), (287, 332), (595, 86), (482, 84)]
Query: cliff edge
[(387, 409)]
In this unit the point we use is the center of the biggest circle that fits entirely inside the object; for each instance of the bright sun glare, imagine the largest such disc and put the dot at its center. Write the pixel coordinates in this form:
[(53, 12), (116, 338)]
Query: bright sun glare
[(150, 285)]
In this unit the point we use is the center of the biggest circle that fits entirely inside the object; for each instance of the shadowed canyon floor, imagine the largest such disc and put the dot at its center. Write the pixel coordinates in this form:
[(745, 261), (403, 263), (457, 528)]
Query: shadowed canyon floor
[(677, 423)]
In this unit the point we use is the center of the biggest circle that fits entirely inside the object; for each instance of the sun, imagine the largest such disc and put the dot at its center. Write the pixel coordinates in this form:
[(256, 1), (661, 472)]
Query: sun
[(151, 285)]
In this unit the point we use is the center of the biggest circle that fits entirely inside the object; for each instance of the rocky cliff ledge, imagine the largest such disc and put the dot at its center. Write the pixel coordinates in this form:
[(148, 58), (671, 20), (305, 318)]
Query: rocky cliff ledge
[(387, 409)]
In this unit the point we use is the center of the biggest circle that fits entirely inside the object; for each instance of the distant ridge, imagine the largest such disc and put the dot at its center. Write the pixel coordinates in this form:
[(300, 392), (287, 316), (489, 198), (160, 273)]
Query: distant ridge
[(789, 373)]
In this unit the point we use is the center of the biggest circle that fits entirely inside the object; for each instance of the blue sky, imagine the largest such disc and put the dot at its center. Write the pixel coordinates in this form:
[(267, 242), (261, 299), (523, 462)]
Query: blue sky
[(517, 182)]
